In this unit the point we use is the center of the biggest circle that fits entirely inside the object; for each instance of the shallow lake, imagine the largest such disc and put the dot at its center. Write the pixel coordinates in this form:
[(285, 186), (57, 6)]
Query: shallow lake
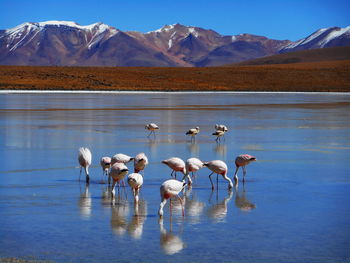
[(293, 207)]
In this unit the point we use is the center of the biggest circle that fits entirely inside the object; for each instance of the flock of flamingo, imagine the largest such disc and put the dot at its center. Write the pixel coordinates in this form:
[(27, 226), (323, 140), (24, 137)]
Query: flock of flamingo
[(116, 168)]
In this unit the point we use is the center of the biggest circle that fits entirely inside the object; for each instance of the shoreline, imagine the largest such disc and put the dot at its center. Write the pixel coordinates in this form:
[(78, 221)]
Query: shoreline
[(15, 91)]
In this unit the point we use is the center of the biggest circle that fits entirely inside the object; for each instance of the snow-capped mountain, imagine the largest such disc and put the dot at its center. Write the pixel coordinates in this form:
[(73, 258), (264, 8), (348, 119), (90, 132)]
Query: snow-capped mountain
[(64, 43), (322, 38)]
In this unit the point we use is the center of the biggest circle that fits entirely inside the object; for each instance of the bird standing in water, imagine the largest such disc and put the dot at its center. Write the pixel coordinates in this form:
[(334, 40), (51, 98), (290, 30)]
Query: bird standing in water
[(152, 127), (84, 158), (218, 135), (140, 162), (118, 172), (121, 158), (135, 180), (169, 189), (218, 167), (193, 133), (242, 161), (192, 165), (105, 164), (176, 164)]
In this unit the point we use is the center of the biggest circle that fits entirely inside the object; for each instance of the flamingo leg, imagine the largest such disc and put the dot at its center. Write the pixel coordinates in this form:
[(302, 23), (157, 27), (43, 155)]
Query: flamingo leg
[(212, 185), (244, 173), (149, 134), (217, 181), (182, 206), (80, 173), (172, 173)]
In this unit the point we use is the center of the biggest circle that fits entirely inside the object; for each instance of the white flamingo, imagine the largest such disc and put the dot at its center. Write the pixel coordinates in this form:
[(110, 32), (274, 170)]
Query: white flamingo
[(176, 164), (218, 135), (118, 172), (221, 127), (121, 158), (140, 162), (152, 127), (193, 133), (169, 189), (105, 164), (242, 161), (135, 180), (84, 158), (218, 167)]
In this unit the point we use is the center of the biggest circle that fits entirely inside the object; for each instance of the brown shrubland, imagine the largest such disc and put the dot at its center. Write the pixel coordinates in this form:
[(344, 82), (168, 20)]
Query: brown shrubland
[(316, 76)]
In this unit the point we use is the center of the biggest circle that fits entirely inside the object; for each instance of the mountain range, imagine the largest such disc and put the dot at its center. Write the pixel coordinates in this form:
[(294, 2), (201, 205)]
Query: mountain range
[(62, 43)]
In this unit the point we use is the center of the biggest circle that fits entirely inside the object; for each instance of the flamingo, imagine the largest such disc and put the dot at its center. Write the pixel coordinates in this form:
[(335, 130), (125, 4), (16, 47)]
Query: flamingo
[(152, 127), (105, 164), (193, 133), (135, 180), (169, 189), (241, 161), (118, 172), (176, 164), (192, 165), (221, 127), (218, 135), (218, 167), (84, 158), (121, 158), (140, 162)]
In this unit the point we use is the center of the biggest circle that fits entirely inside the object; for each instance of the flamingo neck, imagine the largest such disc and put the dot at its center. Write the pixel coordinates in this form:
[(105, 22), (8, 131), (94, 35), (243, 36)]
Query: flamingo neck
[(227, 179), (161, 205)]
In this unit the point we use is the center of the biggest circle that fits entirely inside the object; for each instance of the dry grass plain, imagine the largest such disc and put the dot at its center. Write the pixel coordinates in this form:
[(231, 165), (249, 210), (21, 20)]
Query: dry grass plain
[(329, 76)]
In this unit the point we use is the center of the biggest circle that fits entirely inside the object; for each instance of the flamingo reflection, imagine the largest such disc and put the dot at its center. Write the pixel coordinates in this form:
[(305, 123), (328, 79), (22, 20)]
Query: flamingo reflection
[(85, 203), (242, 202), (218, 211), (120, 211), (169, 242), (194, 208), (135, 225)]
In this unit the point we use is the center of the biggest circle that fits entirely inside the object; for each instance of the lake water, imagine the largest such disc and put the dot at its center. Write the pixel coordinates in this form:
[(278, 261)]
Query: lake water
[(294, 206)]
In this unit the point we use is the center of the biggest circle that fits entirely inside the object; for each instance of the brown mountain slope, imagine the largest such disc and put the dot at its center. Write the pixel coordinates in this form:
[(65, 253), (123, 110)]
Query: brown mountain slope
[(319, 76), (313, 55)]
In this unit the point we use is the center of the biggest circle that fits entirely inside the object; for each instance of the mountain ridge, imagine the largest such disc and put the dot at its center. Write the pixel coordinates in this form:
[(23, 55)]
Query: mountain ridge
[(67, 43)]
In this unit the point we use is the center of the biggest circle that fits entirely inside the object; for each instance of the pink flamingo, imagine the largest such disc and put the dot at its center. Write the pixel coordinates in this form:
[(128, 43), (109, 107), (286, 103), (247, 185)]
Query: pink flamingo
[(169, 189), (221, 127), (140, 162), (121, 158), (118, 172), (84, 158), (241, 161), (193, 133), (176, 164), (218, 135), (192, 165), (135, 180), (218, 167), (152, 127), (105, 164)]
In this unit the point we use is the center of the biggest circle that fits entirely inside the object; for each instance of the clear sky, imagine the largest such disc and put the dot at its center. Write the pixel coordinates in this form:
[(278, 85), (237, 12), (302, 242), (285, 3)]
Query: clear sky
[(277, 19)]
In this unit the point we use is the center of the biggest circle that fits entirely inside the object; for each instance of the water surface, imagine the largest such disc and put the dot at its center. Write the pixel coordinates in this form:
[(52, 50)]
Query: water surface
[(294, 206)]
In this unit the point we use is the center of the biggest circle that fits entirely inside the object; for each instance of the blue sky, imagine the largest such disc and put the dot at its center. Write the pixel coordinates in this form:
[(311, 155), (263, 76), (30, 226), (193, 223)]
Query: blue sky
[(283, 19)]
